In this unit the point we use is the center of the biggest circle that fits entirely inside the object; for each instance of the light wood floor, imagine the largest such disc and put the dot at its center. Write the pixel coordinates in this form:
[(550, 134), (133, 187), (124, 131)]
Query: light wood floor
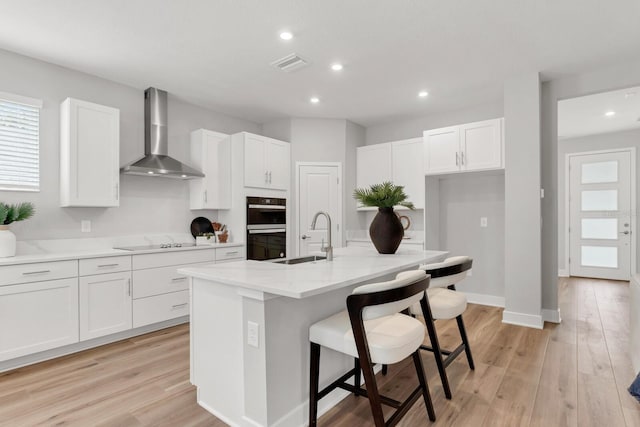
[(572, 374)]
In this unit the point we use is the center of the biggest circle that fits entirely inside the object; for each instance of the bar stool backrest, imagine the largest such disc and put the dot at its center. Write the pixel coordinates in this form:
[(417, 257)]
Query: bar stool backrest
[(385, 298), (448, 272)]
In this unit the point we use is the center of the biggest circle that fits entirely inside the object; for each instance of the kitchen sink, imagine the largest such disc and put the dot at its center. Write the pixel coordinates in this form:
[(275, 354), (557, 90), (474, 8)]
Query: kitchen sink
[(301, 260)]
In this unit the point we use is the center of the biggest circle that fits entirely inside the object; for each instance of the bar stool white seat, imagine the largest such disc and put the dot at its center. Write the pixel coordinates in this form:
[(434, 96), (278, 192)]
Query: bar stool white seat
[(443, 303), (373, 330)]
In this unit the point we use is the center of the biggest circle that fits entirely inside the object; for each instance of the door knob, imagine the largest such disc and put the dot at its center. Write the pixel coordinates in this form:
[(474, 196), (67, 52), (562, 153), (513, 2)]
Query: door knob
[(305, 237)]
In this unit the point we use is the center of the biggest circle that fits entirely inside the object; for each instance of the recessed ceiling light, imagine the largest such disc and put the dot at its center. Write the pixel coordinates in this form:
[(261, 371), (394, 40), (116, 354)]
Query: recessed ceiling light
[(314, 100), (336, 67), (286, 35), (610, 113), (423, 94), (150, 172), (184, 176)]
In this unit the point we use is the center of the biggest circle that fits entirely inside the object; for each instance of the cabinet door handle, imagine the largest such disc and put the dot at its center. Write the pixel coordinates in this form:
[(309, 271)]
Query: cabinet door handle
[(266, 177), (29, 273), (128, 287), (269, 177), (108, 265), (178, 279), (117, 191), (462, 158), (184, 304), (457, 159), (205, 196)]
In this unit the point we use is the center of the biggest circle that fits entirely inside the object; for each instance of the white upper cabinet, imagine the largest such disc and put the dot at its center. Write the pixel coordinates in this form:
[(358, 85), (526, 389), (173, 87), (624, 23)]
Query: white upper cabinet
[(468, 147), (267, 162), (442, 150), (407, 169), (373, 164), (89, 154), (211, 153), (400, 162)]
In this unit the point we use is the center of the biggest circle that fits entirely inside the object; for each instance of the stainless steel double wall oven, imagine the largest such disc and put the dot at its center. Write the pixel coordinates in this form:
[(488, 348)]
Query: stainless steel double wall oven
[(266, 228)]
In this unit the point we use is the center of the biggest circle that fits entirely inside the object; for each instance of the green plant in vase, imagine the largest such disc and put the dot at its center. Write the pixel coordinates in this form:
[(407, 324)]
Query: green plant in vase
[(8, 215), (386, 230)]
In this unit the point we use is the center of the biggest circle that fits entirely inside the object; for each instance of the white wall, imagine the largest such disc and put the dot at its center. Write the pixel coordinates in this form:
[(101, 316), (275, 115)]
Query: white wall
[(623, 139), (464, 199), (522, 201), (601, 80), (147, 205)]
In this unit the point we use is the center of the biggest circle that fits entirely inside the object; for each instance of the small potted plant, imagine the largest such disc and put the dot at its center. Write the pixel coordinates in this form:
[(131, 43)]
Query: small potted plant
[(205, 239), (10, 214), (386, 230)]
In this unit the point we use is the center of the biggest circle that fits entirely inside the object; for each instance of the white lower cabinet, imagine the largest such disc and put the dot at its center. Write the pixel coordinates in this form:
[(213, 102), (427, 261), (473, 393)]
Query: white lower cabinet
[(159, 308), (105, 304), (38, 316)]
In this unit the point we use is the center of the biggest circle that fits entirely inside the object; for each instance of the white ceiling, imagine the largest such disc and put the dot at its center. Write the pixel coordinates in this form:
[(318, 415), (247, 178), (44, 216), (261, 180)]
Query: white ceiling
[(216, 53), (586, 115)]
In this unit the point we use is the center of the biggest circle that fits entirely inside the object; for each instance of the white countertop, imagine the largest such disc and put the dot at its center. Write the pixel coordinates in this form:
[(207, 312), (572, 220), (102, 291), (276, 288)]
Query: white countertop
[(62, 250), (349, 266)]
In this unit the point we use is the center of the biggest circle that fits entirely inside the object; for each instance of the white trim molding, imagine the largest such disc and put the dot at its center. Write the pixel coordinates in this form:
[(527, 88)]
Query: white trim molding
[(482, 299), (552, 316), (523, 319), (563, 272)]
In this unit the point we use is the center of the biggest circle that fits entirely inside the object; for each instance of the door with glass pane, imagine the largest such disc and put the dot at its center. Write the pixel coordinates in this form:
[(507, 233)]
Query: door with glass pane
[(600, 215)]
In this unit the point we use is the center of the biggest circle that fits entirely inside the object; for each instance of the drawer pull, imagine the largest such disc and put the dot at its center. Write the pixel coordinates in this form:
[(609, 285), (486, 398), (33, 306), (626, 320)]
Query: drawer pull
[(29, 273), (174, 307), (178, 279), (108, 265), (231, 253)]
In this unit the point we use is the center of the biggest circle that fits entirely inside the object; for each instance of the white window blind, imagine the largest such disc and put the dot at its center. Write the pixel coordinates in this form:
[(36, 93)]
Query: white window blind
[(19, 143)]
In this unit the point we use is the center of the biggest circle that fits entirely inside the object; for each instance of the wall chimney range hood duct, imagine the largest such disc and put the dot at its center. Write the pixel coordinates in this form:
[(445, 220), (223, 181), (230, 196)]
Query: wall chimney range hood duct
[(156, 161)]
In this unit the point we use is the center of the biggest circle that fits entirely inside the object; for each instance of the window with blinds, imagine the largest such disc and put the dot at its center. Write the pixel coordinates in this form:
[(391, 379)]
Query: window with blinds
[(19, 143)]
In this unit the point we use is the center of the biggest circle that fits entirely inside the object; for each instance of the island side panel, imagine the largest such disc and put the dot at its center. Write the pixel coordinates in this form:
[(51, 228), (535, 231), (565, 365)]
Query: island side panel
[(216, 346)]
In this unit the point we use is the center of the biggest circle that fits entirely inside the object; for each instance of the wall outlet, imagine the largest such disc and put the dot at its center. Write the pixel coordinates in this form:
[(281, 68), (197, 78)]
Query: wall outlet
[(483, 222), (85, 226), (253, 334)]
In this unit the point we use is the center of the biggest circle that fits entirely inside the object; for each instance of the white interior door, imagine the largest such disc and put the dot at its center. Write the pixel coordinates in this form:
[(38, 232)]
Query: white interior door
[(319, 189), (600, 230)]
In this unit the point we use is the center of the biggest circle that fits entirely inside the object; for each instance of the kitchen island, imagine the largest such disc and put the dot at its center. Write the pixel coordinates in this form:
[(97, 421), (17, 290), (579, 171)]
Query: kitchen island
[(250, 324)]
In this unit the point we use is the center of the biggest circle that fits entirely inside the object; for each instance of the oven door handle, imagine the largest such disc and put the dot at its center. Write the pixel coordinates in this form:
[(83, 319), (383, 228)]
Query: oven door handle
[(268, 207), (268, 230)]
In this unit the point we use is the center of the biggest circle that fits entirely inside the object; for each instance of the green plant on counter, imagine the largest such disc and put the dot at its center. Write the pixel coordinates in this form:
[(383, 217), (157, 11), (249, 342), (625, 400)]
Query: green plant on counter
[(385, 195), (13, 213)]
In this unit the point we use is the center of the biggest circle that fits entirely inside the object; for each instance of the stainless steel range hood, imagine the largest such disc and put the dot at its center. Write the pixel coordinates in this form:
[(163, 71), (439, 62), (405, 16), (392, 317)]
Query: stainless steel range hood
[(156, 161)]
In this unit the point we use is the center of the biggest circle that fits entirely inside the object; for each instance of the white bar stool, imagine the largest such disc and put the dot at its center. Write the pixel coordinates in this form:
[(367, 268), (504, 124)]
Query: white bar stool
[(444, 302), (373, 330)]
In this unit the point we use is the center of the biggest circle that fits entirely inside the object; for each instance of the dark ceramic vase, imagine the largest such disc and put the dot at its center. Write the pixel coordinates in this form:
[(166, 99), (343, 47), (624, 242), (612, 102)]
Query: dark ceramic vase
[(386, 231)]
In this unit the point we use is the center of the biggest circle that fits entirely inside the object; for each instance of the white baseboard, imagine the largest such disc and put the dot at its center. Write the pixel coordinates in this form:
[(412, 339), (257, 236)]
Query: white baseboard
[(563, 273), (552, 316), (522, 319), (482, 299)]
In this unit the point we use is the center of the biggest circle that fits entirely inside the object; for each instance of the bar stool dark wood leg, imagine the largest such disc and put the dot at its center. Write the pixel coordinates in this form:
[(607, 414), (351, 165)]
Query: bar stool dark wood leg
[(417, 361), (357, 379), (314, 373), (435, 347), (465, 341)]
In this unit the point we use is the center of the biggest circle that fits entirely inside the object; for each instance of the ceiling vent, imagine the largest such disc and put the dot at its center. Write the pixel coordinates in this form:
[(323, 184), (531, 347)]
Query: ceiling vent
[(290, 63)]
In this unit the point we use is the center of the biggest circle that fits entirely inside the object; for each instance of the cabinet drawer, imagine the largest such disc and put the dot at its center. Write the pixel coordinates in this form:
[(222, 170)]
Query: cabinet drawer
[(160, 308), (156, 281), (143, 261), (112, 264), (236, 252), (37, 272)]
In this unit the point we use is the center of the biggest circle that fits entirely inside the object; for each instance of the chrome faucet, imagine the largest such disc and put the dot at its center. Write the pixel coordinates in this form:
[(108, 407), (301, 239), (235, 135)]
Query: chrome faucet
[(328, 249)]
